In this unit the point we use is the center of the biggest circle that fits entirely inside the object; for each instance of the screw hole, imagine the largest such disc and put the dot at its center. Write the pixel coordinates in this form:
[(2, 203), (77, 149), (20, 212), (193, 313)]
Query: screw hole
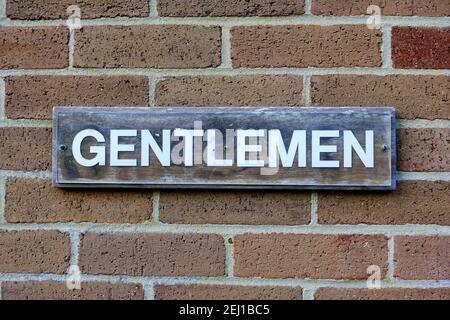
[(63, 147)]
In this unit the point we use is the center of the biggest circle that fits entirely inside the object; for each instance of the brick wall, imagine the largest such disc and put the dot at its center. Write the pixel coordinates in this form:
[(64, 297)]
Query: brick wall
[(212, 244)]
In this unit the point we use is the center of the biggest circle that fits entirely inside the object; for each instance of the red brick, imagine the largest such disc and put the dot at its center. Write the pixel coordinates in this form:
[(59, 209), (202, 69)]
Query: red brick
[(414, 202), (25, 148), (414, 97), (431, 8), (50, 290), (219, 8), (421, 48), (271, 208), (382, 294), (33, 97), (422, 258), (153, 254), (57, 9), (308, 256), (258, 90), (305, 46), (33, 47), (225, 292), (423, 150), (148, 46), (36, 201), (34, 252)]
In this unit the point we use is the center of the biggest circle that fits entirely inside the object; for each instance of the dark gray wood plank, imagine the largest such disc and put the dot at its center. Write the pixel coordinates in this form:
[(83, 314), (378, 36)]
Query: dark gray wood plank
[(68, 121)]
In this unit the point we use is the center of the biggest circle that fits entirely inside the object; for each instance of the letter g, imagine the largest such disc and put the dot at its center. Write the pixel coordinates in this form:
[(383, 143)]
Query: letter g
[(100, 157)]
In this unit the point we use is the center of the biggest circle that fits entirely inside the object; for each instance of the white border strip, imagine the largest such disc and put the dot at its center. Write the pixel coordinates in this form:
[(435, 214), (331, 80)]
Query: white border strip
[(71, 47), (234, 230), (7, 123), (308, 7), (2, 200), (304, 283), (402, 176), (2, 9), (155, 207), (306, 91), (308, 294), (149, 290), (439, 22), (153, 8), (6, 174), (313, 209), (226, 62), (152, 84), (312, 71), (2, 99), (423, 176), (386, 47), (401, 123), (423, 124), (74, 248), (390, 260), (229, 255)]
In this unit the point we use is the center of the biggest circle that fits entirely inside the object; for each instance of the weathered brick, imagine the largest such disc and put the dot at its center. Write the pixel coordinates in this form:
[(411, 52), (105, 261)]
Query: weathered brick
[(25, 148), (50, 290), (308, 256), (414, 97), (58, 9), (305, 46), (36, 201), (34, 252), (33, 97), (431, 8), (414, 202), (421, 48), (382, 294), (423, 150), (259, 90), (219, 8), (271, 208), (422, 257), (225, 292), (153, 254), (148, 46), (33, 47)]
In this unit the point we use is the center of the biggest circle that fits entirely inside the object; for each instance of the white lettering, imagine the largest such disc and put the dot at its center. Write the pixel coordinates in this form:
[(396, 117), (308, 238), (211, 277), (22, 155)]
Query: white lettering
[(255, 148)]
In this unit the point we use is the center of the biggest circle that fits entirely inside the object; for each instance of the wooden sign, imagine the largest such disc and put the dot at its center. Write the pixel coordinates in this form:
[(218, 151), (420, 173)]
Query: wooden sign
[(232, 148)]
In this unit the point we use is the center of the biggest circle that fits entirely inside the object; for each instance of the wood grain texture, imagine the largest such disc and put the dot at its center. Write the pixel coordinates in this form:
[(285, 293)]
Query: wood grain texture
[(68, 121)]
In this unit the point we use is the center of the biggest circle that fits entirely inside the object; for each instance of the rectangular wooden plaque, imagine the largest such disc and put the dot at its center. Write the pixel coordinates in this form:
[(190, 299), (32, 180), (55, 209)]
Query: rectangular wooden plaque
[(225, 148)]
